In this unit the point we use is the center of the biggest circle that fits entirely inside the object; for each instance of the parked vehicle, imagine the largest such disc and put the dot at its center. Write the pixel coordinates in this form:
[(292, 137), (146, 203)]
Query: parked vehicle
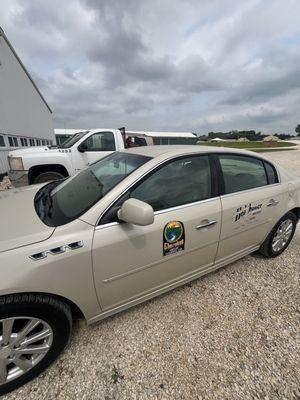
[(43, 164), (127, 228)]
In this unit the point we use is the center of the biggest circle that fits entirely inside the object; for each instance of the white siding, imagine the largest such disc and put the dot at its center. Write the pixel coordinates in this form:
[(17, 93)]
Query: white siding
[(23, 111), (3, 161)]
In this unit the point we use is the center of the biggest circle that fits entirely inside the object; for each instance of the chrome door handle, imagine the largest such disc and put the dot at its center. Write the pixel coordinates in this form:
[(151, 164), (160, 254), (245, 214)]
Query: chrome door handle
[(272, 203), (205, 224)]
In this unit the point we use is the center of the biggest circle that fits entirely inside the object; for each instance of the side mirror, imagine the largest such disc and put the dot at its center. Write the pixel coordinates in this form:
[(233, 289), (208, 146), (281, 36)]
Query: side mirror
[(136, 212), (82, 147)]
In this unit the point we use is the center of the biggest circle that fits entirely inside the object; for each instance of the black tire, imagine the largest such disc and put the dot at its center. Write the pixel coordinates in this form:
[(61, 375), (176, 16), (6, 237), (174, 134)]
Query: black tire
[(266, 248), (47, 177), (48, 309)]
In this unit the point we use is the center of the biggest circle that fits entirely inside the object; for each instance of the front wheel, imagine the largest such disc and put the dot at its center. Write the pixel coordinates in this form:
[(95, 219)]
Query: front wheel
[(280, 236), (34, 329), (47, 177)]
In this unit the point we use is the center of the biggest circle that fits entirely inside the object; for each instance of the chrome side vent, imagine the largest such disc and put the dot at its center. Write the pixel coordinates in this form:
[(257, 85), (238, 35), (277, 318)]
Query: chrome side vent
[(57, 250), (75, 245), (38, 256)]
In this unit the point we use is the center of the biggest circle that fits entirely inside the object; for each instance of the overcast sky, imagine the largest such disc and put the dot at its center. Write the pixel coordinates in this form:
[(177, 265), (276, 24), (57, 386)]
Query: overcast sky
[(189, 65)]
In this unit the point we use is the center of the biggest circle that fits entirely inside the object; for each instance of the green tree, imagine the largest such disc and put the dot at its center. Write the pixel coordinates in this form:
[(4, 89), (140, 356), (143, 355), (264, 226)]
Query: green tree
[(297, 129)]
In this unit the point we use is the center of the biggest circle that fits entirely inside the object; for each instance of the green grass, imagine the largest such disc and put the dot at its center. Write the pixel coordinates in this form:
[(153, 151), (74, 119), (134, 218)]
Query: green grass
[(270, 150), (249, 145)]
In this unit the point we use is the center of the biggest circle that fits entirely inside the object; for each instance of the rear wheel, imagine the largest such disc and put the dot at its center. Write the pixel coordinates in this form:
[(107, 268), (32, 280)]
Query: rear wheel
[(34, 329), (48, 176), (280, 236)]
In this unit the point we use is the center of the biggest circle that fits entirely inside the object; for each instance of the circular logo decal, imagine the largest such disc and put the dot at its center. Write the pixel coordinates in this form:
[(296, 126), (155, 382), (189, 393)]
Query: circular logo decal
[(173, 231)]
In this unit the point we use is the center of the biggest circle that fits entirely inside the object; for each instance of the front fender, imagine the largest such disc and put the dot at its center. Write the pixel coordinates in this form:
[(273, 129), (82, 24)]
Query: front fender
[(34, 160), (68, 275)]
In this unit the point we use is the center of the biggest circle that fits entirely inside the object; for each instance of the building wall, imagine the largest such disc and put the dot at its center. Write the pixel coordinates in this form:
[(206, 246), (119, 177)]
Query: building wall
[(13, 142), (174, 140), (23, 112), (3, 162)]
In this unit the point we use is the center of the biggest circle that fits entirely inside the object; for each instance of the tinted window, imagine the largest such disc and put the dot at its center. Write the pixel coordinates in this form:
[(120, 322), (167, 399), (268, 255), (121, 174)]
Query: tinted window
[(2, 143), (102, 141), (67, 143), (13, 141), (242, 173), (160, 140), (175, 140), (180, 182), (139, 141), (61, 202), (271, 173)]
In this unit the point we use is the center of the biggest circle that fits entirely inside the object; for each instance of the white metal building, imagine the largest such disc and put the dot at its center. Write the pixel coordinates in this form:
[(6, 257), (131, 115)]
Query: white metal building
[(167, 138), (25, 117)]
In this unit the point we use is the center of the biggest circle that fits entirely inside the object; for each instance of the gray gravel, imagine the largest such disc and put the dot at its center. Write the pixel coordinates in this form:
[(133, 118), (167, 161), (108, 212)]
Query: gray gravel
[(233, 334), (287, 159)]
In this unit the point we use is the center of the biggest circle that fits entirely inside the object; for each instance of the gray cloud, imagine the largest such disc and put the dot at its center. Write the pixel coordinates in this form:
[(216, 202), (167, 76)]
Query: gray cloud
[(162, 64), (254, 93)]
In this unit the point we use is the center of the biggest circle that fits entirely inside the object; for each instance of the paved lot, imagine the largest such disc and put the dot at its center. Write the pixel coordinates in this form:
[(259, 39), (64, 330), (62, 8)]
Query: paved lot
[(233, 334), (287, 159)]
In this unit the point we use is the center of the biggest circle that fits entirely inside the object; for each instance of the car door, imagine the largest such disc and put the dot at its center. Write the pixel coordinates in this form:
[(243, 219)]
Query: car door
[(96, 146), (251, 203), (131, 262)]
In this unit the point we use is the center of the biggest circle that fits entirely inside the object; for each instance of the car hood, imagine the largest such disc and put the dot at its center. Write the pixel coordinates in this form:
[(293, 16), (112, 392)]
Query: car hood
[(31, 150), (19, 222)]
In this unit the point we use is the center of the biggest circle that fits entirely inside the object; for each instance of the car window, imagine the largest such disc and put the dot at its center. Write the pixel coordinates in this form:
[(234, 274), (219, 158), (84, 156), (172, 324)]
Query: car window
[(72, 140), (242, 173), (182, 181), (102, 141), (135, 141), (61, 202), (271, 173)]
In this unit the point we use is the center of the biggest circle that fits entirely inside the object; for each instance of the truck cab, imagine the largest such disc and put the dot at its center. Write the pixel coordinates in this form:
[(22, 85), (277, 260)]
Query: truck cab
[(38, 165)]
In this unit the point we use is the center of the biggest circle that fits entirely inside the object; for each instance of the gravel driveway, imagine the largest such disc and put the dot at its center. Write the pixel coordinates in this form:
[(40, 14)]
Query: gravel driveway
[(233, 334)]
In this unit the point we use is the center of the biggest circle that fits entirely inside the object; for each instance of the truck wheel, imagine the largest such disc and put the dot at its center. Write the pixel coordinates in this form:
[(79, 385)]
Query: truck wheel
[(280, 236), (34, 329), (47, 176)]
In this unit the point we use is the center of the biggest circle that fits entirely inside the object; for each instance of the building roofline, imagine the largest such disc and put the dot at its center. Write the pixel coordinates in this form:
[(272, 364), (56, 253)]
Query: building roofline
[(23, 67)]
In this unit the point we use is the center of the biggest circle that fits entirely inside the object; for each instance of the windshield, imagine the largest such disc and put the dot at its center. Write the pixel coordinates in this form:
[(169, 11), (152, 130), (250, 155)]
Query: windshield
[(61, 202), (72, 140)]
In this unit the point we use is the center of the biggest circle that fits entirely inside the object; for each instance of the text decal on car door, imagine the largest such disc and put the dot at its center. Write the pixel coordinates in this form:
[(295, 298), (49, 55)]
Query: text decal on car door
[(247, 209), (173, 237)]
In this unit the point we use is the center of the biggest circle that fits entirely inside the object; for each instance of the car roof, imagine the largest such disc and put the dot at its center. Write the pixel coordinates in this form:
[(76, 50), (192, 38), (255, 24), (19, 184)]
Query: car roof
[(173, 150)]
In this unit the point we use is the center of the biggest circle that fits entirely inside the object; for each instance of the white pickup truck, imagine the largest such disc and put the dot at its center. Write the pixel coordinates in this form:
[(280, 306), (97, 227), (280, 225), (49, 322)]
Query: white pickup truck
[(42, 164)]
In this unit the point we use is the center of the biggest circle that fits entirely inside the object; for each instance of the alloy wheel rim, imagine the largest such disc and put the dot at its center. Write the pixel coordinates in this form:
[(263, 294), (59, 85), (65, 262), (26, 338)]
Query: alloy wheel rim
[(24, 342), (282, 235)]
